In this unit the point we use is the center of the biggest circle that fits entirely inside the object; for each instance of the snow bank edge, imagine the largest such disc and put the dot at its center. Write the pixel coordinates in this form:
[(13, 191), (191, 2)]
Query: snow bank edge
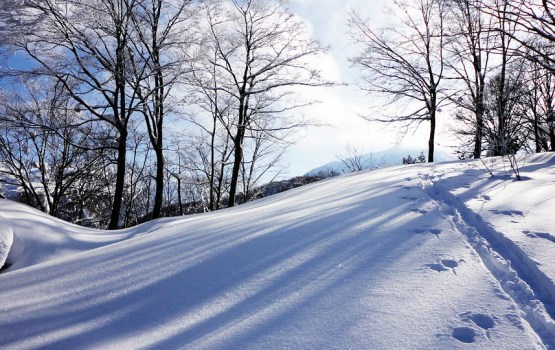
[(6, 240)]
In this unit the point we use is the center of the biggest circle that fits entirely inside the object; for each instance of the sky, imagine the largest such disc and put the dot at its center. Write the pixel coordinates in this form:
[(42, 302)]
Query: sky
[(341, 108)]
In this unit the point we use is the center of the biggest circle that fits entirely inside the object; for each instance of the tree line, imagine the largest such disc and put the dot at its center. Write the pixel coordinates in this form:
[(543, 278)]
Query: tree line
[(486, 64), (119, 111), (113, 112)]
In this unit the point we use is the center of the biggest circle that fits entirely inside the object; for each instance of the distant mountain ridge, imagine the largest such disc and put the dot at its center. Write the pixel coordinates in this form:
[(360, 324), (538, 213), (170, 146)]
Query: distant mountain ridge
[(389, 157)]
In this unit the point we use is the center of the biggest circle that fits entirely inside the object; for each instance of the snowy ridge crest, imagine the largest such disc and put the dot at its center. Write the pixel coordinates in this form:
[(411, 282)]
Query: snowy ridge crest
[(6, 240)]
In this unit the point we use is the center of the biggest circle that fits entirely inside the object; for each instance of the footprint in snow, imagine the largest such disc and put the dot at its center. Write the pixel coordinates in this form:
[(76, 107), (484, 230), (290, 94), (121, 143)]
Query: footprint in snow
[(544, 235), (433, 231), (437, 267), (483, 321), (449, 263), (468, 334), (464, 334), (444, 265)]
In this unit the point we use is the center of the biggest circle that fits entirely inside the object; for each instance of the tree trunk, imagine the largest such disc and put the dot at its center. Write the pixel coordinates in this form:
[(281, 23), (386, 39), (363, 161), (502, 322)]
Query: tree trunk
[(212, 205), (477, 154), (158, 125), (238, 143), (179, 196), (221, 178), (537, 139), (120, 115), (431, 141), (159, 194), (120, 181)]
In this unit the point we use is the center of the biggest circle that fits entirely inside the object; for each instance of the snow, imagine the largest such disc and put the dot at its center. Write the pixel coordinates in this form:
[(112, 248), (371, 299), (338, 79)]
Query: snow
[(439, 256), (39, 237), (6, 240)]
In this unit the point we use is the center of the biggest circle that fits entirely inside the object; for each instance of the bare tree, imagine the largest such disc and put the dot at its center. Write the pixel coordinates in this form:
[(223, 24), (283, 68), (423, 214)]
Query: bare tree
[(405, 62), (505, 129), (532, 27), (470, 52), (532, 21), (48, 154), (263, 152), (213, 116), (356, 160), (160, 32), (205, 158), (506, 86), (85, 46), (540, 102), (139, 177), (262, 51)]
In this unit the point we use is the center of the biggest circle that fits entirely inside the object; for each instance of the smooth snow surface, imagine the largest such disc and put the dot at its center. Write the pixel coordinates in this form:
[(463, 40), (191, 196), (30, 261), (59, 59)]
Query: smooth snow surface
[(415, 257)]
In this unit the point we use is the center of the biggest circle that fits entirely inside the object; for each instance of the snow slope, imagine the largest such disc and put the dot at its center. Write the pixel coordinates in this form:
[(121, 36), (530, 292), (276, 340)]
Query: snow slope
[(38, 237), (436, 256)]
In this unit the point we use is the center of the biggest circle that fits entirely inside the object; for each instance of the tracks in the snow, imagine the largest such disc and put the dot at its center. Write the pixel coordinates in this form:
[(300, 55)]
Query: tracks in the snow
[(518, 275)]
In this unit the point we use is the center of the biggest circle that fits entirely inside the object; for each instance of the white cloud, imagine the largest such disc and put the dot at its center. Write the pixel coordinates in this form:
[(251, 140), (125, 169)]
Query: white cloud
[(340, 107)]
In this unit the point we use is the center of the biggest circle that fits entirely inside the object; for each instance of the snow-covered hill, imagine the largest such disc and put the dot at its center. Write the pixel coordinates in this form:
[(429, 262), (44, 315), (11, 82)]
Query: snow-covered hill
[(439, 256)]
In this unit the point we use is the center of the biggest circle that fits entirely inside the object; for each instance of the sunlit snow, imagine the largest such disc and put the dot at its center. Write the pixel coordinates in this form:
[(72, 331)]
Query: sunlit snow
[(439, 256)]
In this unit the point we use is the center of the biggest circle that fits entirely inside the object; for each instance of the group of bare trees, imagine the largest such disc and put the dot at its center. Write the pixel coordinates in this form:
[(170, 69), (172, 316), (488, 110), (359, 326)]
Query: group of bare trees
[(114, 111), (488, 62), (117, 111), (39, 154)]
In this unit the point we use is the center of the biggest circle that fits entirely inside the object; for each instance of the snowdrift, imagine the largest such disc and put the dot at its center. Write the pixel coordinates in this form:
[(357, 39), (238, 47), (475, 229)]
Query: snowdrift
[(38, 237), (6, 240), (438, 256)]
